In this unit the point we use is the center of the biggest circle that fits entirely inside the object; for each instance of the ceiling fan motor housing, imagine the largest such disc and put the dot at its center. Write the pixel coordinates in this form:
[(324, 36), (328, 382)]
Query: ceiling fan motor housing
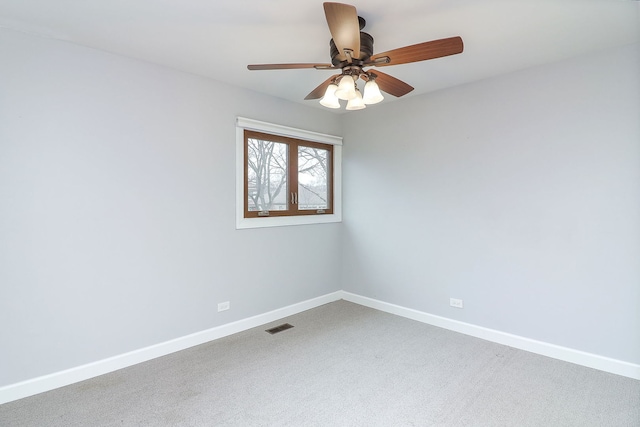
[(366, 50)]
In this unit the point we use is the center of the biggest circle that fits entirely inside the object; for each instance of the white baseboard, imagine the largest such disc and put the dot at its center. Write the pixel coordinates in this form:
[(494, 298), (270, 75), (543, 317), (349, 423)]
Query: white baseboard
[(59, 379), (80, 373), (551, 350)]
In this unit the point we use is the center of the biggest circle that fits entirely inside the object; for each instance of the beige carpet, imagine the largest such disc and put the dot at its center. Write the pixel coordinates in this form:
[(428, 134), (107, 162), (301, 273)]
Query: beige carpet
[(341, 365)]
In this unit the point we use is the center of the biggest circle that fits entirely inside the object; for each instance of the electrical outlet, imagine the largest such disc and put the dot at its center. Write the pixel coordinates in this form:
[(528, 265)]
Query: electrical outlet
[(224, 306), (455, 302)]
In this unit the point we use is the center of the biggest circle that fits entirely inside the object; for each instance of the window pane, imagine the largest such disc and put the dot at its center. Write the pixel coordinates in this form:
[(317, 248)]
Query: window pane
[(313, 167), (267, 175)]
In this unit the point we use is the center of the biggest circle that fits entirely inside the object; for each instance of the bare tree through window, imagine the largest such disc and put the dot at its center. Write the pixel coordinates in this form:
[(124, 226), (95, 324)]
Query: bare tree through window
[(312, 178), (267, 175)]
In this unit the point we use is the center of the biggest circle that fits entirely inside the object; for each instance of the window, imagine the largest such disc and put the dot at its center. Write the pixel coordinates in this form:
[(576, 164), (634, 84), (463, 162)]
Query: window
[(286, 176)]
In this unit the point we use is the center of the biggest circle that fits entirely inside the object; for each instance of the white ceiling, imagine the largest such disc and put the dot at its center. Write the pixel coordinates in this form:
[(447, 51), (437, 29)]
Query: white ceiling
[(218, 38)]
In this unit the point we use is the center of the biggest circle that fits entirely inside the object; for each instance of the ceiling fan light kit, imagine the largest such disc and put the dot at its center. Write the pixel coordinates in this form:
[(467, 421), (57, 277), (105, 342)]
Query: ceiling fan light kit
[(347, 90), (351, 52)]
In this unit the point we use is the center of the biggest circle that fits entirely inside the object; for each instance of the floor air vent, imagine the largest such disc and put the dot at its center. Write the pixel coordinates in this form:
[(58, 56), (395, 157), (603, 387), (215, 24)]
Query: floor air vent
[(280, 328)]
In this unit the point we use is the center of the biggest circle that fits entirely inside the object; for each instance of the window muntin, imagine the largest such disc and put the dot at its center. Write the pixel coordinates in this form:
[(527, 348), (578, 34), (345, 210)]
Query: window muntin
[(286, 176)]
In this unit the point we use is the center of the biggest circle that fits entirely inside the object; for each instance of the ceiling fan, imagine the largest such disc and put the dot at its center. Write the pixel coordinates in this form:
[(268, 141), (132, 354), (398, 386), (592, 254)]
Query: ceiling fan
[(352, 51)]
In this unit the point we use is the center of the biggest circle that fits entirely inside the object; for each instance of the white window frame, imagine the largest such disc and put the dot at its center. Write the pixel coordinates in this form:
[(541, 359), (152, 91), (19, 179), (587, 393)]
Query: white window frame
[(243, 123)]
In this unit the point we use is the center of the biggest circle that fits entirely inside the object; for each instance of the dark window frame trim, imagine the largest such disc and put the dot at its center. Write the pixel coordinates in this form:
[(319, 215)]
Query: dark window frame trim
[(293, 143)]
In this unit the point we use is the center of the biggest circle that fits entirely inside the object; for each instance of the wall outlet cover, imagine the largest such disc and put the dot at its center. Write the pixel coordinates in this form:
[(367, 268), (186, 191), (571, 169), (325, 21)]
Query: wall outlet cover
[(455, 302)]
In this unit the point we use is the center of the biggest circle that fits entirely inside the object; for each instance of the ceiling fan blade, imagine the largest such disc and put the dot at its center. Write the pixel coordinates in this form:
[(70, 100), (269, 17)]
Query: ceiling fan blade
[(419, 52), (390, 84), (289, 66), (345, 28), (318, 92)]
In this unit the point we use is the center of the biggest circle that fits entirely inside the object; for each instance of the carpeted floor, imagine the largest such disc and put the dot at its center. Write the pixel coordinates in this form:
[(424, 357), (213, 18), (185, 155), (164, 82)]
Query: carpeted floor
[(341, 365)]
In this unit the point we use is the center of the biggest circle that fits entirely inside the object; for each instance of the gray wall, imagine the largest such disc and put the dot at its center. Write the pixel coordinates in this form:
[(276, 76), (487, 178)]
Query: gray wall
[(519, 195), (117, 201)]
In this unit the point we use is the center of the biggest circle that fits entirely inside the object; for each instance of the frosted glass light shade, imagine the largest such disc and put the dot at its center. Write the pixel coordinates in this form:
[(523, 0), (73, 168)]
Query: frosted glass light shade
[(356, 103), (347, 88), (372, 93), (330, 100)]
